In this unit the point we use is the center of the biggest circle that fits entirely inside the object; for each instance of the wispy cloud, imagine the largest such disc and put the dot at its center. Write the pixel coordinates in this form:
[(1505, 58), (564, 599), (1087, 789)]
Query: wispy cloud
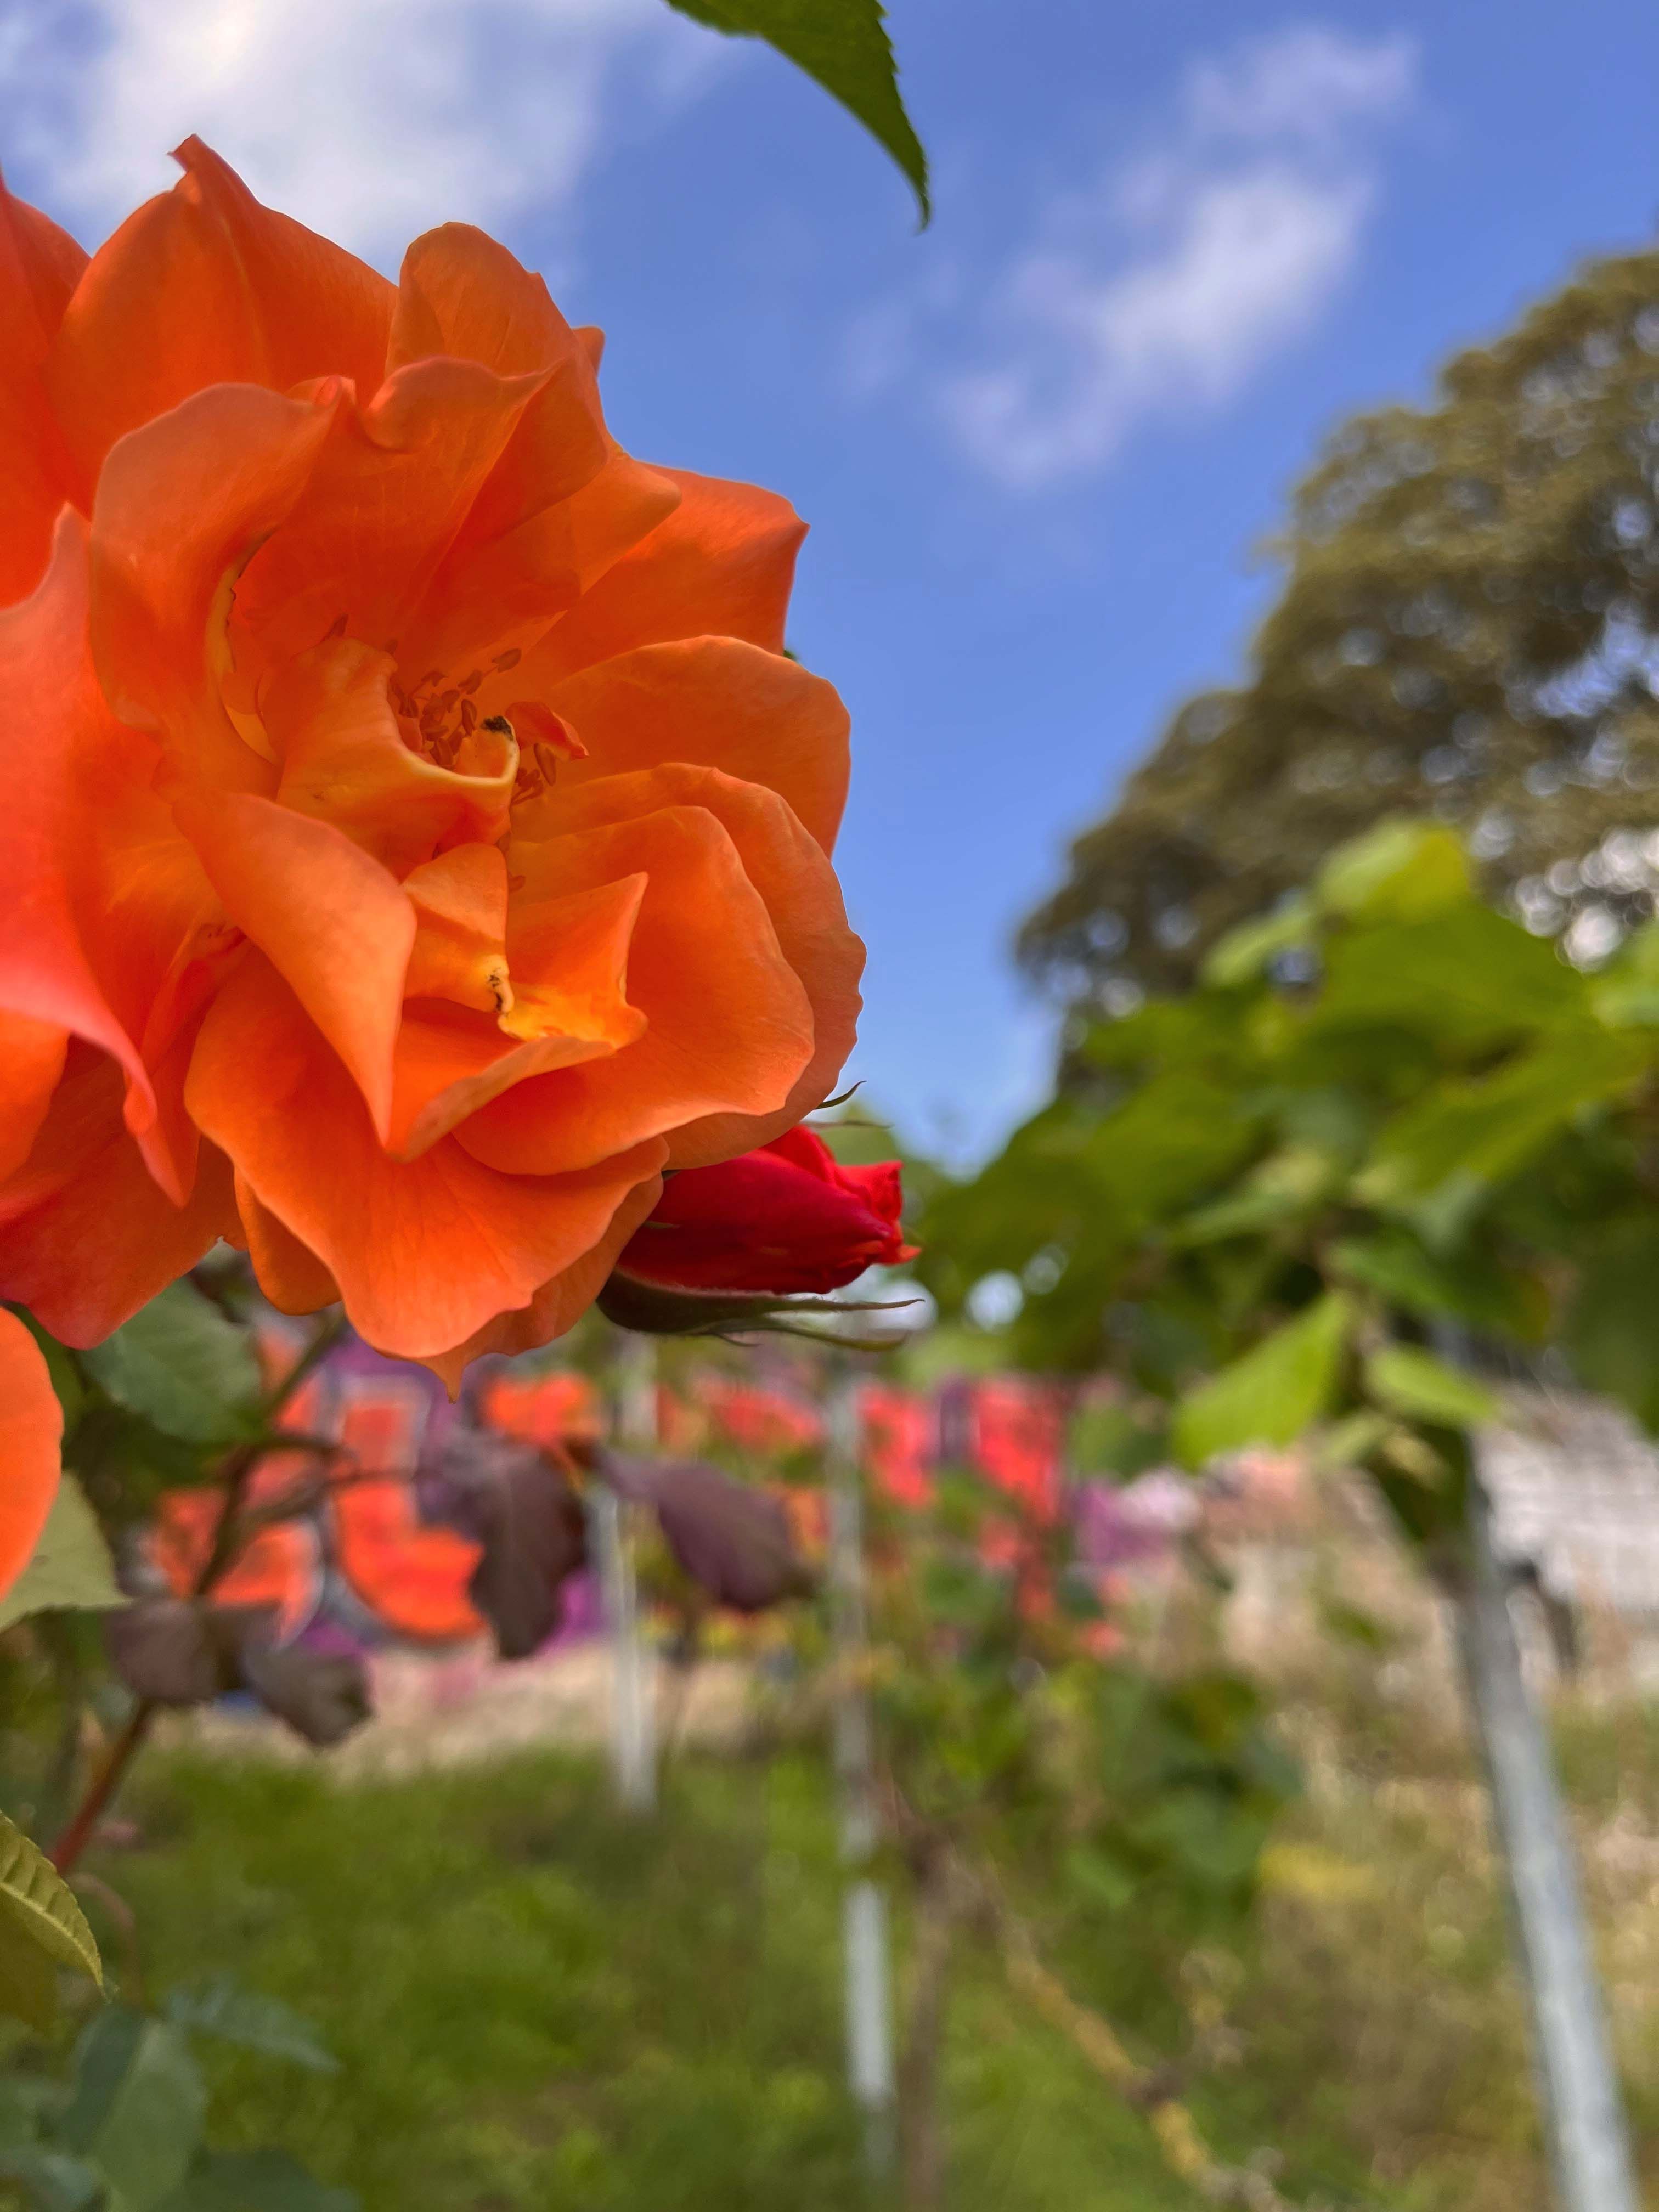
[(1161, 289), (368, 119)]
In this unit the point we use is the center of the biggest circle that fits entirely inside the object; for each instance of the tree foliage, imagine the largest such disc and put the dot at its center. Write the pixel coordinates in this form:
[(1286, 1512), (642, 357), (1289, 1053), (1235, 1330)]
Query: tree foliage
[(1469, 627)]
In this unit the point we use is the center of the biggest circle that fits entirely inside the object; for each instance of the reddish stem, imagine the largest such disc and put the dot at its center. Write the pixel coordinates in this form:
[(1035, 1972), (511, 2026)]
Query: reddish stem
[(67, 1850)]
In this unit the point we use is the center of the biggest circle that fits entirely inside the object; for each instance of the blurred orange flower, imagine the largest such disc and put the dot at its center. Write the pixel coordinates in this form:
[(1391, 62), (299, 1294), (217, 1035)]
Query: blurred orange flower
[(415, 836)]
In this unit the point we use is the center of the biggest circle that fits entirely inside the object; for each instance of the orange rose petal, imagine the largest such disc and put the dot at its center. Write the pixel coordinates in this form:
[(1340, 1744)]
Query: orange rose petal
[(324, 913), (789, 870), (61, 741), (721, 565), (730, 1026), (39, 266), (391, 490), (103, 894), (181, 505), (425, 1252), (559, 1304), (450, 1063), (107, 1239), (461, 292), (568, 955), (504, 590), (31, 1438), (719, 703), (343, 759), (289, 1274), (202, 286), (562, 502), (461, 935), (51, 262)]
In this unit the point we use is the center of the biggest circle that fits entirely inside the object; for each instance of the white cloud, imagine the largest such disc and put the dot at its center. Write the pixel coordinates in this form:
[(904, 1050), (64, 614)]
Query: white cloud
[(1161, 290), (370, 119)]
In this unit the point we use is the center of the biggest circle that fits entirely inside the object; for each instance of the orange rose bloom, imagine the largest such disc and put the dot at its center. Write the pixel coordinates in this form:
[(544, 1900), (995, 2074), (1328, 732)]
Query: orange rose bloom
[(414, 838)]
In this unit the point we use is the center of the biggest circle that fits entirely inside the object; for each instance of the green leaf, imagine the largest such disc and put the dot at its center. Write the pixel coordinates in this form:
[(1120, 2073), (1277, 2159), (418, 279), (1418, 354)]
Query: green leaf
[(842, 45), (70, 1566), (1461, 1138), (255, 2181), (1398, 872), (1612, 1333), (184, 1366), (1349, 1443), (1465, 1285), (28, 1977), (1288, 1183), (138, 2108), (1272, 1393), (1416, 1384), (51, 2181), (1466, 976), (224, 2008), (1242, 953), (41, 1926)]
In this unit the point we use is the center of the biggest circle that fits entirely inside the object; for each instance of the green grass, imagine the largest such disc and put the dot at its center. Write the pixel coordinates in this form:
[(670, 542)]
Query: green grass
[(539, 2005)]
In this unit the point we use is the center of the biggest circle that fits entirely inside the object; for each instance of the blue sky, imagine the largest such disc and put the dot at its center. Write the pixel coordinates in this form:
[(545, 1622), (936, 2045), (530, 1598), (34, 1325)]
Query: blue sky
[(1173, 245)]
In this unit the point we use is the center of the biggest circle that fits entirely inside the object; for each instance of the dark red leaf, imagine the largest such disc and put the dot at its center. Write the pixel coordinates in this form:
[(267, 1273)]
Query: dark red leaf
[(532, 1528)]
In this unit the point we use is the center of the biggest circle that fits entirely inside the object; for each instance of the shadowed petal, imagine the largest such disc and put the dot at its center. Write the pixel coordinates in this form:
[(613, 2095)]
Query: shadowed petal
[(392, 488), (290, 1275), (344, 760), (100, 890), (324, 913), (182, 505), (559, 1304), (31, 1434), (87, 1236)]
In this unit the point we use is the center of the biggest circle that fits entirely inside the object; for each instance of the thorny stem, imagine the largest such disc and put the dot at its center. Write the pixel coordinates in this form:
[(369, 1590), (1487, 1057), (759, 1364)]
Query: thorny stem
[(235, 1470)]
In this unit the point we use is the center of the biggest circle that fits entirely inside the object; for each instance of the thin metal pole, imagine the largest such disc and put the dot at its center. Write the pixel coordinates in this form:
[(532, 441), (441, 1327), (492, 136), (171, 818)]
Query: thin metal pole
[(633, 1679), (866, 1947), (1584, 2114)]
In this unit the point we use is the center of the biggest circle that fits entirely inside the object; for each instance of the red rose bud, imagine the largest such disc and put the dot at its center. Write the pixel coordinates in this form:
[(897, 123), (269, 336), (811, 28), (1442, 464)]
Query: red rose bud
[(788, 1218)]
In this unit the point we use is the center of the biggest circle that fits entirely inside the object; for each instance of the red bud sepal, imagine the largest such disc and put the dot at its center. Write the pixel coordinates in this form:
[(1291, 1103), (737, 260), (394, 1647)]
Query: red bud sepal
[(658, 1309)]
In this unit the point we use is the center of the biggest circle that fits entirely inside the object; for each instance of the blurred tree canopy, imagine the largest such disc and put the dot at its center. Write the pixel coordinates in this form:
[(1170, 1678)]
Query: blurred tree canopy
[(1469, 628)]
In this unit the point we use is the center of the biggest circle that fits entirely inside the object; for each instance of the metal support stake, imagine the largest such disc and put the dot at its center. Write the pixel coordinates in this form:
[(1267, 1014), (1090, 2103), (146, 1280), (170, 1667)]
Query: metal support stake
[(1583, 2112), (866, 1943), (633, 1685)]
